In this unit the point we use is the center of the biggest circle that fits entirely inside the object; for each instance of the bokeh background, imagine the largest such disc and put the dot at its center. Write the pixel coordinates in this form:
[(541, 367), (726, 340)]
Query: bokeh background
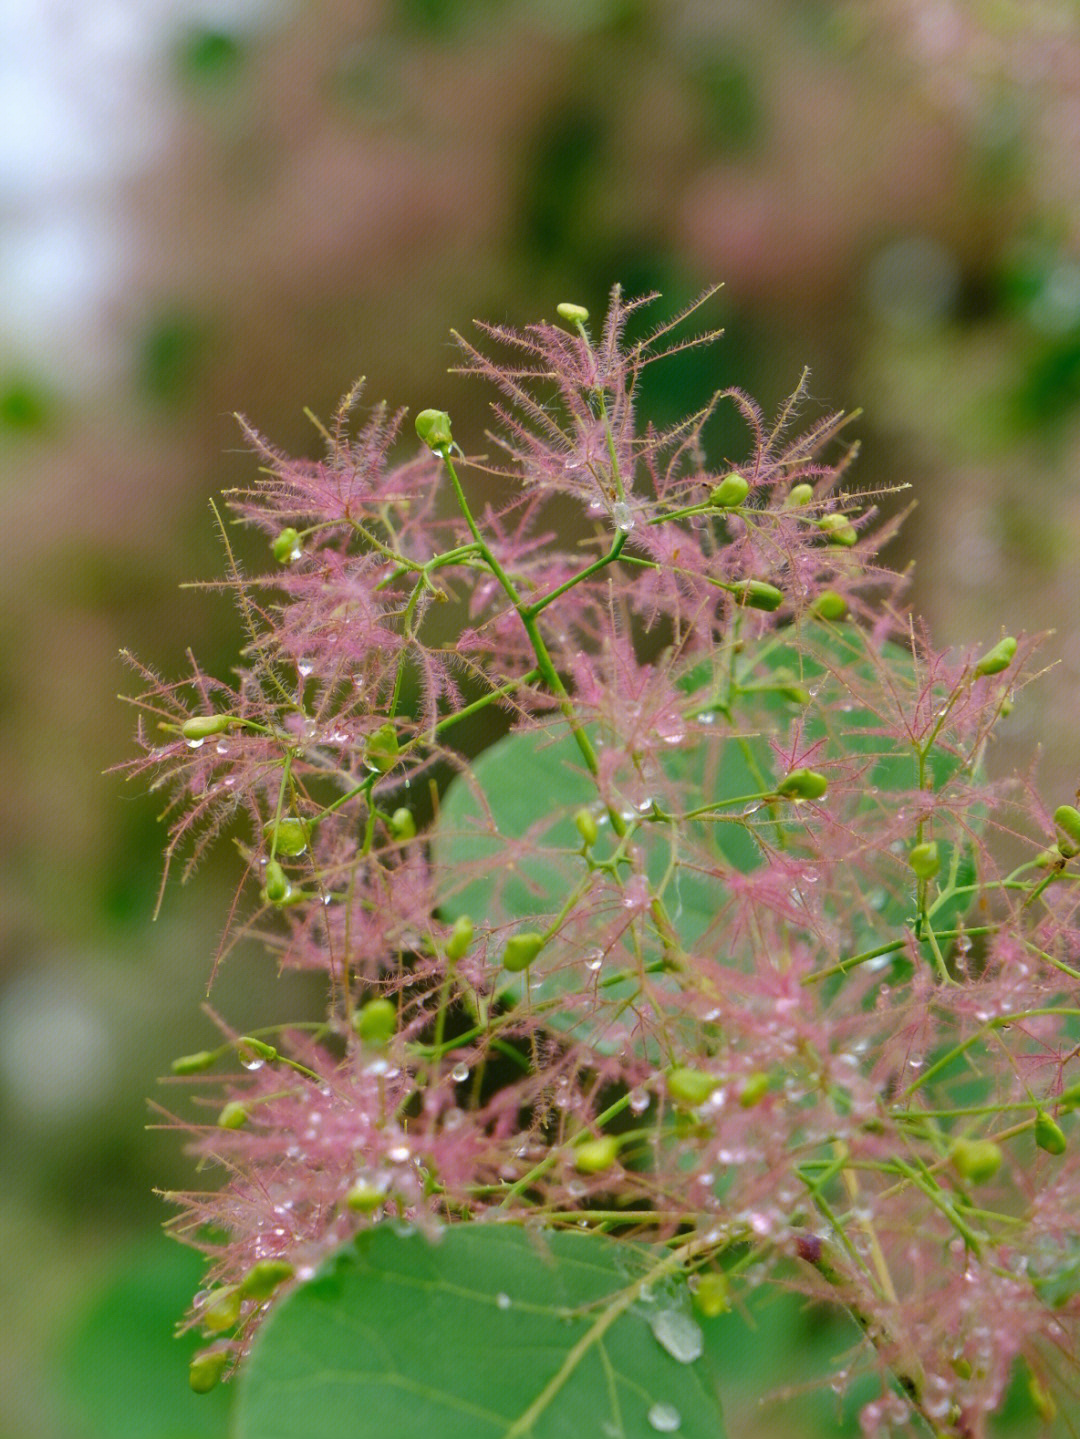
[(244, 205)]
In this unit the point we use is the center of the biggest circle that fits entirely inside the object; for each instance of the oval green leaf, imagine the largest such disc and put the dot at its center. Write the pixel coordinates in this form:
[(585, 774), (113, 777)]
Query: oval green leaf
[(491, 1333)]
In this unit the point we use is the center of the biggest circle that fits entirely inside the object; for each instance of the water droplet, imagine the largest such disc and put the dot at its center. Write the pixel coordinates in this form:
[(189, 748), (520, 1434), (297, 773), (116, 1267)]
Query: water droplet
[(251, 1061), (676, 1332), (399, 1154), (221, 747), (639, 1101), (304, 668), (503, 1301), (195, 743), (594, 959), (623, 517), (752, 807), (459, 1073), (664, 1418)]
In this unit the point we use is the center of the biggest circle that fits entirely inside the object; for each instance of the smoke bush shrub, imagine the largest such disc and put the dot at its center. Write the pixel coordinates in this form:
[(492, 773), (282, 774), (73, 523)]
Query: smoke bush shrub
[(713, 953)]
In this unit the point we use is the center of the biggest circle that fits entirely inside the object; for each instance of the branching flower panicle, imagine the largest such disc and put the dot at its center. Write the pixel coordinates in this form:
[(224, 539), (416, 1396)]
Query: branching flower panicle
[(714, 949)]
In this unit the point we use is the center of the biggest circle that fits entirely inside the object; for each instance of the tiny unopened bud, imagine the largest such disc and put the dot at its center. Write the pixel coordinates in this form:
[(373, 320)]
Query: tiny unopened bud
[(1067, 819), (754, 1090), (830, 606), (381, 750), (997, 659), (402, 825), (376, 1021), (193, 1063), (287, 836), (433, 429), (803, 784), (233, 1116), (521, 950), (924, 859), (264, 1277), (797, 694), (205, 1370), (248, 1046), (222, 1308), (731, 491), (711, 1294), (757, 594), (1049, 1135), (976, 1160), (595, 1155), (575, 314), (587, 827), (690, 1087), (203, 726), (365, 1198), (1052, 858), (276, 886), (286, 546), (838, 529), (1042, 1400), (461, 936), (800, 494)]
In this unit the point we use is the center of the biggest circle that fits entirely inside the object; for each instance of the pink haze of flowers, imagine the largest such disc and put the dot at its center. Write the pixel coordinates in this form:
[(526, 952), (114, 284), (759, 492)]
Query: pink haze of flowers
[(812, 1028)]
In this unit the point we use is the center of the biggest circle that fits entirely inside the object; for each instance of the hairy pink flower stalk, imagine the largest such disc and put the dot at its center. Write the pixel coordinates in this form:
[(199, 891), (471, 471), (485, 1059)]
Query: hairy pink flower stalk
[(715, 944)]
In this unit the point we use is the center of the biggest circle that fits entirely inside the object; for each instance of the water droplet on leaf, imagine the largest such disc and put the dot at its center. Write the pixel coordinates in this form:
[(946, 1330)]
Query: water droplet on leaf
[(676, 1332)]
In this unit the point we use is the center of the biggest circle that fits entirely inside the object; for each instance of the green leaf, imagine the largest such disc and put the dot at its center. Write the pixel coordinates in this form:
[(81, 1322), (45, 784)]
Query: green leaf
[(491, 1333)]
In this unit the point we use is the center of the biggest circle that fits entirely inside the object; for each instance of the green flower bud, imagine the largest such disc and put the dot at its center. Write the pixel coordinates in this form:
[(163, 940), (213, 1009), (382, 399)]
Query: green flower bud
[(1048, 1134), (1042, 1400), (264, 1277), (286, 546), (222, 1309), (194, 1063), (800, 494), (365, 1198), (376, 1021), (595, 1155), (461, 936), (1069, 1098), (803, 784), (976, 1160), (830, 606), (1067, 819), (276, 886), (521, 950), (287, 836), (587, 827), (203, 726), (248, 1045), (233, 1116), (402, 825), (690, 1087), (381, 750), (433, 428), (576, 314), (997, 659), (205, 1370), (797, 694), (731, 491), (754, 1090), (838, 529), (711, 1295), (757, 595), (924, 859), (1051, 858)]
